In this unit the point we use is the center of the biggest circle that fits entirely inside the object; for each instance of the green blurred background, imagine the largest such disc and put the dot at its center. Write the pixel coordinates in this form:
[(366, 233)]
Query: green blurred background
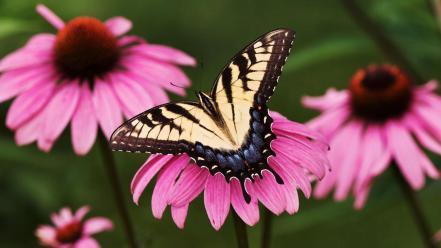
[(328, 49)]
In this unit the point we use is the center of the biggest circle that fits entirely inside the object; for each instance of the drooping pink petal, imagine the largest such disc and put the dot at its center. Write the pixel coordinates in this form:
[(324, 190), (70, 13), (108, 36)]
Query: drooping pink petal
[(428, 167), (50, 16), (350, 162), (108, 111), (179, 215), (270, 193), (289, 186), (46, 235), (81, 212), (29, 131), (119, 25), (156, 92), (27, 104), (131, 95), (164, 53), (248, 212), (87, 242), (429, 119), (97, 225), (281, 162), (217, 200), (361, 197), (423, 135), (84, 125), (147, 171), (374, 149), (18, 81), (57, 114), (336, 156), (128, 41), (406, 154), (331, 99), (164, 184), (189, 185)]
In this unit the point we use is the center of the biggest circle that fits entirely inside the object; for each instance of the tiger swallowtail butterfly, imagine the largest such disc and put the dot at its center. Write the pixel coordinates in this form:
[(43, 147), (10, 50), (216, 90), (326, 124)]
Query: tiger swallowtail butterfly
[(226, 131)]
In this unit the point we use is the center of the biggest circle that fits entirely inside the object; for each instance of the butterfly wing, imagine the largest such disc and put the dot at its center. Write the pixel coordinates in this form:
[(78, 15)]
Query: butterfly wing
[(249, 80), (255, 70), (171, 128)]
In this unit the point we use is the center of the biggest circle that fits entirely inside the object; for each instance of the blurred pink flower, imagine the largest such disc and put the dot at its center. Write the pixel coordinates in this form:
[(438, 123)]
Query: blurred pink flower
[(88, 74), (70, 231), (437, 237), (381, 118), (300, 153)]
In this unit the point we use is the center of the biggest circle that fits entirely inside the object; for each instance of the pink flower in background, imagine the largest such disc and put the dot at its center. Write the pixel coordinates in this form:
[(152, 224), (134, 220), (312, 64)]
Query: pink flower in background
[(437, 236), (299, 153), (381, 118), (71, 231), (89, 74)]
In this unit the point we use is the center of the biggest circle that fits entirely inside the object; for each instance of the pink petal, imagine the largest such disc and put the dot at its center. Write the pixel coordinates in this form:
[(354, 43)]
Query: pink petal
[(58, 113), (119, 25), (350, 162), (18, 81), (86, 242), (84, 123), (270, 193), (248, 212), (423, 135), (97, 225), (50, 16), (329, 121), (406, 154), (40, 42), (157, 93), (158, 73), (281, 163), (217, 200), (164, 184), (66, 215), (46, 235), (331, 99), (147, 171), (164, 53), (189, 185), (25, 59), (108, 111), (179, 214), (361, 197), (29, 103), (437, 236), (79, 215), (131, 95), (29, 131)]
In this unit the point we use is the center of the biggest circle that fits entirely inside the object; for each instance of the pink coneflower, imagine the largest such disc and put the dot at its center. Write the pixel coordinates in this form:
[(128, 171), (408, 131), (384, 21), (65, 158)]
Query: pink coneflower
[(89, 73), (379, 119), (437, 237), (71, 230), (299, 153)]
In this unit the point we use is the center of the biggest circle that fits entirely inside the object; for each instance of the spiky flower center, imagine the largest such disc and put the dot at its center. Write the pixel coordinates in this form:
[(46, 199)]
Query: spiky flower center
[(85, 48), (69, 233), (380, 92)]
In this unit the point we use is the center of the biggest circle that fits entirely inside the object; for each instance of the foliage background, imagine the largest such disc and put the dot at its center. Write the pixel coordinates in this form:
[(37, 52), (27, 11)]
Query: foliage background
[(328, 49)]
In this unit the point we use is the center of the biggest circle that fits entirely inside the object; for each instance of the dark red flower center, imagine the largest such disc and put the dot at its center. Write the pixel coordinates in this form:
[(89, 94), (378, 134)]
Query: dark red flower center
[(69, 233), (85, 48), (380, 92)]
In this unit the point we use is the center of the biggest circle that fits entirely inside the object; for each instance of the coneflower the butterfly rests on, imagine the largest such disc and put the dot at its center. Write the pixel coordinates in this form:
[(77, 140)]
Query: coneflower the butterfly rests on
[(228, 144)]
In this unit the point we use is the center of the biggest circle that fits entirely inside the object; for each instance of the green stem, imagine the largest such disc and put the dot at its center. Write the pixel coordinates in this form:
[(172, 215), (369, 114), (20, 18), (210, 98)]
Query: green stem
[(415, 207), (241, 231), (376, 33), (267, 229), (110, 165)]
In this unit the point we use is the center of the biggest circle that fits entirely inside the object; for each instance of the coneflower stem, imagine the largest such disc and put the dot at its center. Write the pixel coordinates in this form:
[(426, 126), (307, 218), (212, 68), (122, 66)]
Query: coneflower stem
[(376, 33), (267, 228), (110, 165), (241, 231), (415, 207)]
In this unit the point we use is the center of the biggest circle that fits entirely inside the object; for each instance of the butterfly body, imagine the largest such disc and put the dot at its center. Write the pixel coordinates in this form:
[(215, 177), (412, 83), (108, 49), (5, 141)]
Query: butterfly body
[(226, 131)]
